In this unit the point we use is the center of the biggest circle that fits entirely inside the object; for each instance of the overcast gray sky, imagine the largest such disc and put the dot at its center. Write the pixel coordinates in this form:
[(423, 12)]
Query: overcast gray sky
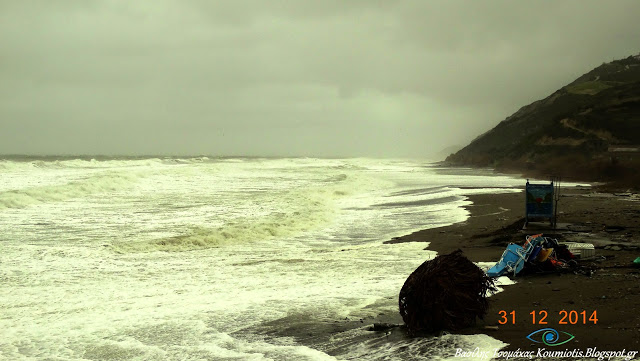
[(274, 77)]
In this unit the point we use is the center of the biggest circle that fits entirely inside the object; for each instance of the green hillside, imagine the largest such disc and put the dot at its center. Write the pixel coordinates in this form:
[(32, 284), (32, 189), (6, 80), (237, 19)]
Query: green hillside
[(575, 132)]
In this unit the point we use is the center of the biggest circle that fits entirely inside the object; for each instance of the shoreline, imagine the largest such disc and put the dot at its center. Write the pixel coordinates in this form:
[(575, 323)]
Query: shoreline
[(494, 221), (612, 290)]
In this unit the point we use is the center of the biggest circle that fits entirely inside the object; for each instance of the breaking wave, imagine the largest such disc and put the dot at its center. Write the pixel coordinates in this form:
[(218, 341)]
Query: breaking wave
[(92, 163), (272, 227), (102, 182), (295, 212)]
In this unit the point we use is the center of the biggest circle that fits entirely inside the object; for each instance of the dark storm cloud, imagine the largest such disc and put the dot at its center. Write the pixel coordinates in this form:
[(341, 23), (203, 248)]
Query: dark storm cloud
[(288, 77)]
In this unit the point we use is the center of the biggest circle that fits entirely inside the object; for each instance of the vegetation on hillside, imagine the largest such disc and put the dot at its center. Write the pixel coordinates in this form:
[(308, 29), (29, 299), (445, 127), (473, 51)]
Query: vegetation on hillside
[(571, 133)]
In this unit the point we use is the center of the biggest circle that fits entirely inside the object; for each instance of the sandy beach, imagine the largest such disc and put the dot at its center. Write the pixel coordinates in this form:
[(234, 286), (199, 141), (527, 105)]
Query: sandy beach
[(609, 221)]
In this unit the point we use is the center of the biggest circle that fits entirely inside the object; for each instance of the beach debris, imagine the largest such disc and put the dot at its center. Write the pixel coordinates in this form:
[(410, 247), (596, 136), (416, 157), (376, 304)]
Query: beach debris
[(636, 262), (382, 326), (580, 250), (544, 254), (540, 255), (515, 256), (446, 293), (512, 261)]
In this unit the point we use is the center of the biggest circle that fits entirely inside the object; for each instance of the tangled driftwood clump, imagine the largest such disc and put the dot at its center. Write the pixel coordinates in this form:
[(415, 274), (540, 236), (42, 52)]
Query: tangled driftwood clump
[(445, 293)]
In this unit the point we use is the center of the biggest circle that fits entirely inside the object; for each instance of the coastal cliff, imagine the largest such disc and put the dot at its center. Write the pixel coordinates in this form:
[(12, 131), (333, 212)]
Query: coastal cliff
[(587, 130)]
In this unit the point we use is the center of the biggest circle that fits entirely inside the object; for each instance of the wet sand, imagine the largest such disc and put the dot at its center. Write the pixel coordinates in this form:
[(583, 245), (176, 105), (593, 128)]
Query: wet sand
[(611, 222)]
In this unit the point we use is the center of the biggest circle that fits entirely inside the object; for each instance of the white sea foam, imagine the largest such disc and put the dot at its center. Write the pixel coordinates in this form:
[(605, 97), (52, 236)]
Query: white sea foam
[(84, 275), (418, 349), (102, 182)]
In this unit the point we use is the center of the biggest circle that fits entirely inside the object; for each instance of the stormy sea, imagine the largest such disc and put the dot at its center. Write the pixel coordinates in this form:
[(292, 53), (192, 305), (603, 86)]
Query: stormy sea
[(218, 258)]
